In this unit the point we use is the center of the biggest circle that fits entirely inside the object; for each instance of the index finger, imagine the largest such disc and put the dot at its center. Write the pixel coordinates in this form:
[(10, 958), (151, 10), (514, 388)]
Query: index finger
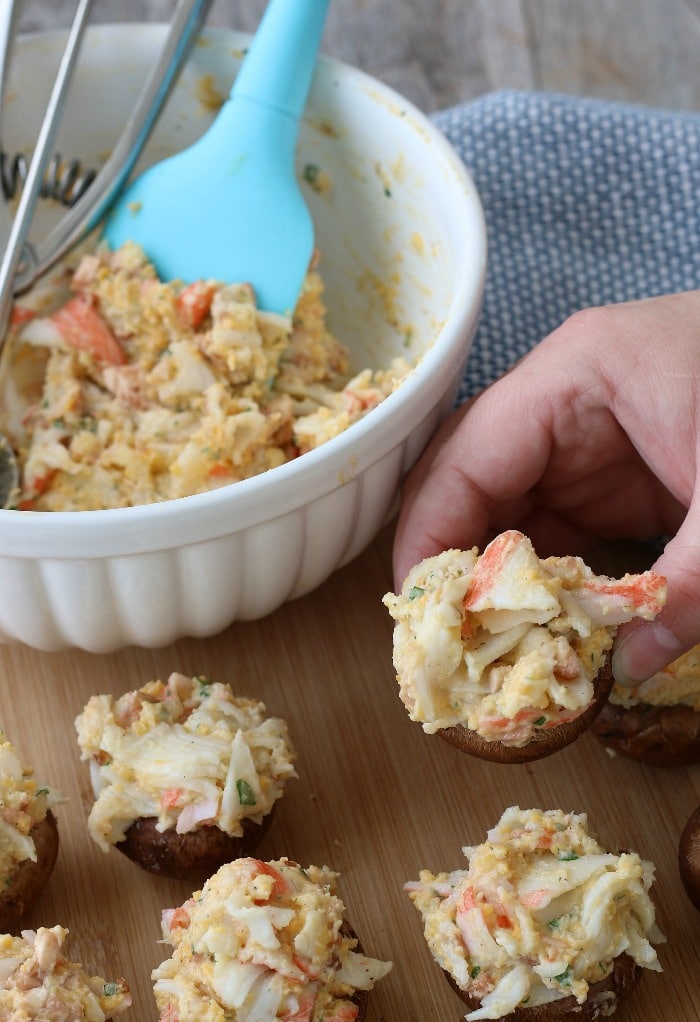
[(489, 453)]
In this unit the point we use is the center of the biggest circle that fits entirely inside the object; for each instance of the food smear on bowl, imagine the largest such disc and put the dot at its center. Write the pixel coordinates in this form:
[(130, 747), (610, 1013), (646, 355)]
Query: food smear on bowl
[(133, 390), (264, 940), (542, 912), (186, 753), (504, 643), (39, 982), (28, 835)]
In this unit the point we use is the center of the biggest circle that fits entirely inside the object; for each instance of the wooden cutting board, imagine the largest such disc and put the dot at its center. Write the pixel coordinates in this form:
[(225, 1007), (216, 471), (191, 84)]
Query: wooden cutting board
[(376, 799)]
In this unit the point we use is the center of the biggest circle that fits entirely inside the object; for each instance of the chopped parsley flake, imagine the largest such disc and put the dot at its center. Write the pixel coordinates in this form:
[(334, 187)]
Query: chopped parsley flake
[(311, 173), (246, 795)]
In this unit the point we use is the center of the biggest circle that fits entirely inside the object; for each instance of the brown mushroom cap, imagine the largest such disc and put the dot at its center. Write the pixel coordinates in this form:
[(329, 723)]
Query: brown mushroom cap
[(602, 1000), (664, 736), (193, 856), (689, 858), (30, 878), (545, 741)]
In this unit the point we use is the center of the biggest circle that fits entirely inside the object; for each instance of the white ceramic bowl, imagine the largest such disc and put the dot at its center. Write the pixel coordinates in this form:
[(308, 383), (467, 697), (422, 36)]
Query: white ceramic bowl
[(402, 238)]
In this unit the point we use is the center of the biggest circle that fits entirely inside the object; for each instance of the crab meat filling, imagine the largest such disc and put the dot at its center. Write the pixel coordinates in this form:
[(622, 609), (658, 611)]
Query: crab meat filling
[(38, 983), (505, 643), (263, 941), (541, 913), (188, 753)]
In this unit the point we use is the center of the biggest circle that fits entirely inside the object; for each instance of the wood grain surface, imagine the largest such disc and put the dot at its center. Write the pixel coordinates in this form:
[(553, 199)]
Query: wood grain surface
[(376, 798)]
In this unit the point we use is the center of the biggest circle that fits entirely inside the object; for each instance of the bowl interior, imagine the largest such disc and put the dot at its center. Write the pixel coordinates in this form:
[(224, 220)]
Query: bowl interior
[(396, 219)]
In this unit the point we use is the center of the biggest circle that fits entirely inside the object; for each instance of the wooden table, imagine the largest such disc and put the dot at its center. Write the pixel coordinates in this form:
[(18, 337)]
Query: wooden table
[(376, 798)]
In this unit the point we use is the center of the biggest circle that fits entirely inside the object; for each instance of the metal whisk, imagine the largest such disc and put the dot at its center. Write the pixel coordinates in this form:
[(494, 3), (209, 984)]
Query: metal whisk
[(89, 198), (64, 181)]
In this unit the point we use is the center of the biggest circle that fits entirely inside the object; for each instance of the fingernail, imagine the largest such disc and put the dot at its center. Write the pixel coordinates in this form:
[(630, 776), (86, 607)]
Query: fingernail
[(643, 652)]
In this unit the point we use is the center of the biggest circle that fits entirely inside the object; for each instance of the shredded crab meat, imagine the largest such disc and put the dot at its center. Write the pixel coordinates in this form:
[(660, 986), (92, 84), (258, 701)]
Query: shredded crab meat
[(40, 983), (187, 752), (504, 642), (134, 390), (263, 940), (541, 912), (678, 684), (23, 804)]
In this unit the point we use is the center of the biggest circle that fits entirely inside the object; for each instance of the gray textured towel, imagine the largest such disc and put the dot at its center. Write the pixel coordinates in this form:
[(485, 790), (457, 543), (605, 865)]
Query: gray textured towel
[(587, 202)]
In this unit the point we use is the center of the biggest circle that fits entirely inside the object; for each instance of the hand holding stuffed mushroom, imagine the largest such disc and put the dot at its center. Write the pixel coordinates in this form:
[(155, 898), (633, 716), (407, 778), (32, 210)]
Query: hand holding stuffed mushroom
[(591, 436), (506, 655)]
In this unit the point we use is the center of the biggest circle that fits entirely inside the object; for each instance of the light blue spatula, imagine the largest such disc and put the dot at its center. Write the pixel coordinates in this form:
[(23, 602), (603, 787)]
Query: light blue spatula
[(229, 207)]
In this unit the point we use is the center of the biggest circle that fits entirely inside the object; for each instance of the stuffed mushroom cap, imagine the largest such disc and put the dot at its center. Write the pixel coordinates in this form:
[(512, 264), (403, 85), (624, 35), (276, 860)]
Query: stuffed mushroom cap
[(186, 775), (540, 917), (39, 984), (656, 721), (264, 940), (689, 858), (28, 836), (510, 648)]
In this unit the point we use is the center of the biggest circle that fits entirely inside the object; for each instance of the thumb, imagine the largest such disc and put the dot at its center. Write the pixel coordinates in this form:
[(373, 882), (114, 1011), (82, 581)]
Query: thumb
[(644, 647)]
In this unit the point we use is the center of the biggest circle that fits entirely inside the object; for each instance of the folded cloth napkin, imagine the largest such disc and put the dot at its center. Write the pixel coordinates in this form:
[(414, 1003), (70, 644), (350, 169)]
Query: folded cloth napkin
[(587, 202)]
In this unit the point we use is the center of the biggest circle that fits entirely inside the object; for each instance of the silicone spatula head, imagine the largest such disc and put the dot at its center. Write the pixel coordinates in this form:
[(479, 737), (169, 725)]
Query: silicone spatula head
[(229, 208)]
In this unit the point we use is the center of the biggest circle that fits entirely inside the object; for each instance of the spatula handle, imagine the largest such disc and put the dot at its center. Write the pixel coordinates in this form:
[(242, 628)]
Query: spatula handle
[(279, 66)]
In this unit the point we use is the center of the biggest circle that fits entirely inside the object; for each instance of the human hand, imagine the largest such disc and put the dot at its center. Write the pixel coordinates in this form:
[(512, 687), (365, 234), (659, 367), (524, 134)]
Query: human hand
[(594, 434)]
